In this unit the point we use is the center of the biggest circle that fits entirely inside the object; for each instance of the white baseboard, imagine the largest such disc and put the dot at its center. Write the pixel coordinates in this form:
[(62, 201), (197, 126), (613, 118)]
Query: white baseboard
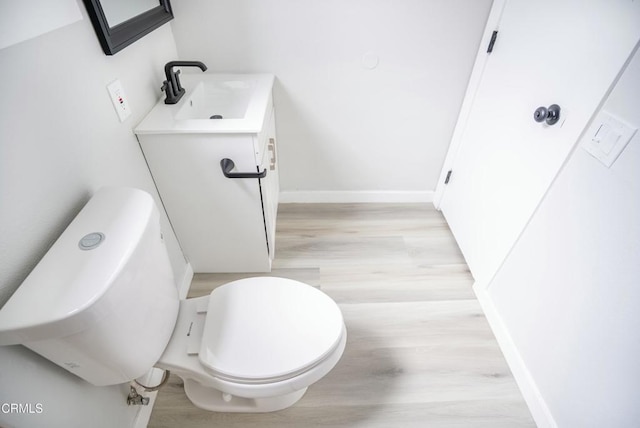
[(537, 405), (183, 287), (327, 196)]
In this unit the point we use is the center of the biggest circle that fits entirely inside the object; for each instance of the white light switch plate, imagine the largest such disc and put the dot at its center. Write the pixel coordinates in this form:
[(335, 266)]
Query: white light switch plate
[(119, 100), (607, 137)]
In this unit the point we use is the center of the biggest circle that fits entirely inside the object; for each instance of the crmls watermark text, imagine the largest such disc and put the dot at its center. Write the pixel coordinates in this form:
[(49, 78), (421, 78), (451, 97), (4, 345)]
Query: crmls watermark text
[(21, 408)]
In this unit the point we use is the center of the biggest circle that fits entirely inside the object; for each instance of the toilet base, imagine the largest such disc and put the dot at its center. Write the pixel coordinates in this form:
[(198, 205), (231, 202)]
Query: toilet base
[(217, 401)]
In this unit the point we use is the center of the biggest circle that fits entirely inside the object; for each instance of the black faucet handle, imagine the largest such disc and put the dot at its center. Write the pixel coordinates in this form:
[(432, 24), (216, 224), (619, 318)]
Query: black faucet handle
[(171, 96), (167, 87), (178, 87)]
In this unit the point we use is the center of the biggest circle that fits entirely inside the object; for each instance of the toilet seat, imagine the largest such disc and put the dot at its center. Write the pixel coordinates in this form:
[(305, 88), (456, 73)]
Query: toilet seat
[(264, 330)]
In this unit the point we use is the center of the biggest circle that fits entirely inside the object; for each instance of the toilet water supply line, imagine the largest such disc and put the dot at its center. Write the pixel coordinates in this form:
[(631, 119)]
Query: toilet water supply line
[(134, 398)]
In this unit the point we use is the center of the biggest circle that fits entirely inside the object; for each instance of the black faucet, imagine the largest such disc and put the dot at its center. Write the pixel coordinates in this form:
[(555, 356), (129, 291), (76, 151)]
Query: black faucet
[(171, 86)]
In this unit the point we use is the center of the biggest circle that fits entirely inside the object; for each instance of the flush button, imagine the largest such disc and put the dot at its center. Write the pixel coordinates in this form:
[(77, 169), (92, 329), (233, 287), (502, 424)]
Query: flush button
[(91, 241)]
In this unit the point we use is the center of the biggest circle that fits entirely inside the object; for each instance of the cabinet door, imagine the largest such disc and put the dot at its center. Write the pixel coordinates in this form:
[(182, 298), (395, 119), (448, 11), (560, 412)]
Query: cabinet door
[(219, 221), (270, 185)]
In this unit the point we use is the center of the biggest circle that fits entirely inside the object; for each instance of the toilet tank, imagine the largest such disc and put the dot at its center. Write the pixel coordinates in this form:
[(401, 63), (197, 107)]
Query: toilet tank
[(102, 302)]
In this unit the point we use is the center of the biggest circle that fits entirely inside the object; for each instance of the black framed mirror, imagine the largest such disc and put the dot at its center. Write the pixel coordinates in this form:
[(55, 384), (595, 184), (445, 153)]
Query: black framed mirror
[(118, 27)]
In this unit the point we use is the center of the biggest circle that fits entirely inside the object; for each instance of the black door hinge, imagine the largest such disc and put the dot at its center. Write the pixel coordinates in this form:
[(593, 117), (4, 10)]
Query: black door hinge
[(492, 42), (446, 180)]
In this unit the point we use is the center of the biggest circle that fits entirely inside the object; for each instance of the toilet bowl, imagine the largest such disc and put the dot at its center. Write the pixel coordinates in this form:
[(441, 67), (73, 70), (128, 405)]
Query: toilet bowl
[(102, 304), (255, 344)]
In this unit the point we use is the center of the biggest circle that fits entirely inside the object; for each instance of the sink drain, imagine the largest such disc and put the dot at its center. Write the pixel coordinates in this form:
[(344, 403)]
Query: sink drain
[(216, 116)]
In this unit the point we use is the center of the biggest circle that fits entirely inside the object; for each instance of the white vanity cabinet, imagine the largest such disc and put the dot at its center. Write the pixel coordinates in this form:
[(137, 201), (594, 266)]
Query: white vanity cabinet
[(223, 224)]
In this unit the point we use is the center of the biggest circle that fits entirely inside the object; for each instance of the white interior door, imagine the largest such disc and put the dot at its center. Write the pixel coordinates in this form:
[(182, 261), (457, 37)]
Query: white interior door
[(565, 52)]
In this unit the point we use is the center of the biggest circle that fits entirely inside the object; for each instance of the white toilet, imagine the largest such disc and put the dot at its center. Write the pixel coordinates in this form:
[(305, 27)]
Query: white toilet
[(102, 304)]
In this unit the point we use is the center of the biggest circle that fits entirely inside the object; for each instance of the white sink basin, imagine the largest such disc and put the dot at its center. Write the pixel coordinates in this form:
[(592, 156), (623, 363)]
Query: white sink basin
[(213, 103), (227, 99)]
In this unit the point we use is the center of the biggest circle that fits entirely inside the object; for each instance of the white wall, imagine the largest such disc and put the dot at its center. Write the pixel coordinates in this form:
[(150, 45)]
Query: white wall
[(343, 127), (60, 140), (568, 295), (35, 17)]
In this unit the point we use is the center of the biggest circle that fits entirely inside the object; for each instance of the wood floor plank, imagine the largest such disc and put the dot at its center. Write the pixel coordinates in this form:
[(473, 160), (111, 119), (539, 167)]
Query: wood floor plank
[(203, 283), (484, 413), (394, 283), (360, 220), (419, 351), (415, 352), (340, 251), (434, 251)]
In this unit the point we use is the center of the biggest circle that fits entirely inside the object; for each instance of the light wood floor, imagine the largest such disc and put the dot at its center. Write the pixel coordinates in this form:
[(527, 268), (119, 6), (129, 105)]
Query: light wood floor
[(419, 352)]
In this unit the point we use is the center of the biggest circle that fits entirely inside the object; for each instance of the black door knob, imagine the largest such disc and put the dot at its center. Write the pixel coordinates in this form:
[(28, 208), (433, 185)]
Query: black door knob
[(540, 115), (549, 115)]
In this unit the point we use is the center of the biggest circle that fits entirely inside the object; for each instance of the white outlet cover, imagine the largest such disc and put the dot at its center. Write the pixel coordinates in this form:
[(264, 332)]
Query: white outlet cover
[(119, 100), (607, 137)]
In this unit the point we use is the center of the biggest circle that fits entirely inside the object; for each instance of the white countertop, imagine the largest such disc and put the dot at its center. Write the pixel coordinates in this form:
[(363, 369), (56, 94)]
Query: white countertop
[(161, 119)]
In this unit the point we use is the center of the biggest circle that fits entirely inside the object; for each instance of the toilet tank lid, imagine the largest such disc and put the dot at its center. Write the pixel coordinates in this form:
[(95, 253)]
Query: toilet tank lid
[(61, 295)]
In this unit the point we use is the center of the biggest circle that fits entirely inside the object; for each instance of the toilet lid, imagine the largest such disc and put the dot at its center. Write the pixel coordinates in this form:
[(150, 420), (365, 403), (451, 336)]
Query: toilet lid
[(268, 329)]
